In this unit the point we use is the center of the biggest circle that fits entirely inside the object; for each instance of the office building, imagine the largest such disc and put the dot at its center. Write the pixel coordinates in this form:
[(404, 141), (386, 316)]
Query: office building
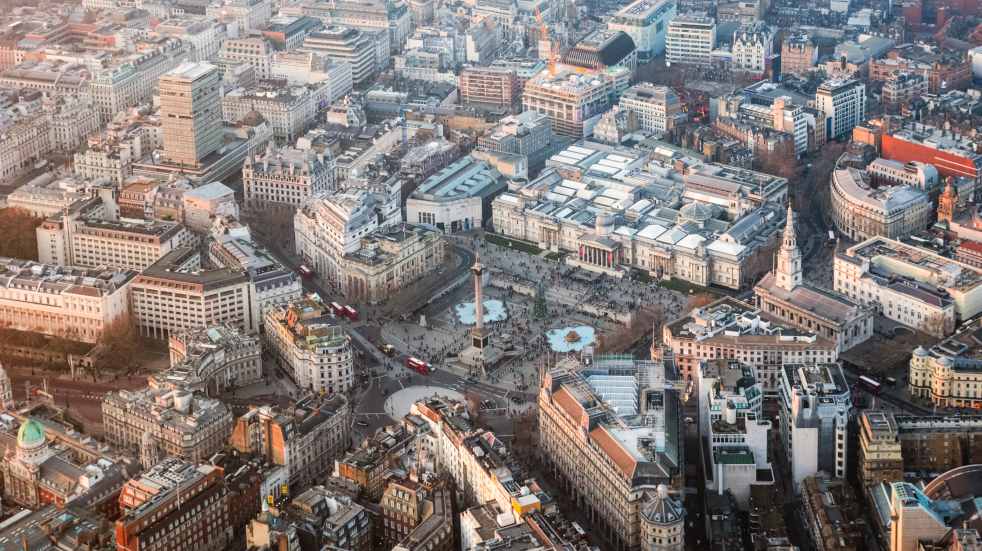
[(271, 283), (256, 52), (72, 303), (573, 102), (645, 21), (494, 88), (202, 205), (285, 178), (951, 154), (332, 225), (303, 67), (457, 198), (212, 360), (308, 343), (948, 374), (734, 429), (389, 22), (175, 505), (176, 294), (844, 102), (367, 466), (861, 210), (329, 517), (480, 464), (623, 414), (435, 531), (306, 437), (288, 110), (880, 458), (915, 174), (191, 113), (940, 515), (88, 241), (728, 328), (602, 49), (527, 134), (177, 422), (657, 108), (346, 44), (690, 40), (908, 284), (814, 408), (783, 294)]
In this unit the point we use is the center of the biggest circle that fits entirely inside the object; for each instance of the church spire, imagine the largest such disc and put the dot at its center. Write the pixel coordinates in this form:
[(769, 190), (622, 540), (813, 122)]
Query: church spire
[(788, 270)]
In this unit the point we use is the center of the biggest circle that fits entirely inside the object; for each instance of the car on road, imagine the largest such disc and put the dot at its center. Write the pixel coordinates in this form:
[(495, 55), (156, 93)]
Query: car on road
[(387, 349), (361, 423)]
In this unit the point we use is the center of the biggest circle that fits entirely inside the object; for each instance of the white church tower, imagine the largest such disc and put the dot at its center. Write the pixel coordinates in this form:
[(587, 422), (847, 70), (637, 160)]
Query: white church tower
[(788, 270)]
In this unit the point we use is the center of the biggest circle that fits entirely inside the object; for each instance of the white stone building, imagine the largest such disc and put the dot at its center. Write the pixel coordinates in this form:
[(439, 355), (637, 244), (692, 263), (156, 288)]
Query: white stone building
[(65, 302), (310, 345), (844, 102), (658, 108), (646, 22), (815, 406), (175, 295), (752, 50), (286, 177), (690, 40), (861, 211), (910, 285)]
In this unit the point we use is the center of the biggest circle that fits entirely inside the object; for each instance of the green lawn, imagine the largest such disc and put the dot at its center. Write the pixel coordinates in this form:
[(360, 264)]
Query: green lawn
[(511, 243)]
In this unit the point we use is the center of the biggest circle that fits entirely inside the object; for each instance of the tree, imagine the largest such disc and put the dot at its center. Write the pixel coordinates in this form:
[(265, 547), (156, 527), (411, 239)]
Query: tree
[(646, 320), (699, 300), (120, 342), (19, 231)]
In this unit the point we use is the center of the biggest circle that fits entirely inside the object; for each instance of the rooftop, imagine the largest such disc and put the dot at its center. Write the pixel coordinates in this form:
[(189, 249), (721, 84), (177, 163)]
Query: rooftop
[(464, 178)]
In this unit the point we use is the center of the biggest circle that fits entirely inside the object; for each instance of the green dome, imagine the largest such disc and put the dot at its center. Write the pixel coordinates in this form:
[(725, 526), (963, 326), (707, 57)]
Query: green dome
[(30, 435)]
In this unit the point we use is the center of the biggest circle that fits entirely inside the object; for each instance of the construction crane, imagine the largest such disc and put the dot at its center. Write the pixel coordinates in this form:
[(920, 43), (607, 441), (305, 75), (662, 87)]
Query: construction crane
[(553, 57)]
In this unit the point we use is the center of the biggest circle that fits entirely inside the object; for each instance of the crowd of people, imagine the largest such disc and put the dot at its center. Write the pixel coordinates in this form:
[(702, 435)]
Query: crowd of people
[(521, 335)]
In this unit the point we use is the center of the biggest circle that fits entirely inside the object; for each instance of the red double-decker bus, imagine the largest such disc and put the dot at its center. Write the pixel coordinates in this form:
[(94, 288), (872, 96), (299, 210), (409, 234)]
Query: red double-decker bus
[(337, 309), (350, 313), (418, 365), (305, 272)]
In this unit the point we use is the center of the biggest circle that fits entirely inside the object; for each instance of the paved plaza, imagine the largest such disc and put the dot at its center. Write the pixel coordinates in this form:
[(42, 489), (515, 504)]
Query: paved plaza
[(522, 334)]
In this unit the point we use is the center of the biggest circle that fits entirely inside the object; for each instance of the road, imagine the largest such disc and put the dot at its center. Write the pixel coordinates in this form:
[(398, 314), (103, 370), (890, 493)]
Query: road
[(386, 375)]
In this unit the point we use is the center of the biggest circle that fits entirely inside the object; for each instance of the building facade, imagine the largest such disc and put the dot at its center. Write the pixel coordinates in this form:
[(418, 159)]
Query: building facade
[(844, 102), (191, 114), (178, 422), (815, 406), (311, 346), (60, 301), (690, 40)]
